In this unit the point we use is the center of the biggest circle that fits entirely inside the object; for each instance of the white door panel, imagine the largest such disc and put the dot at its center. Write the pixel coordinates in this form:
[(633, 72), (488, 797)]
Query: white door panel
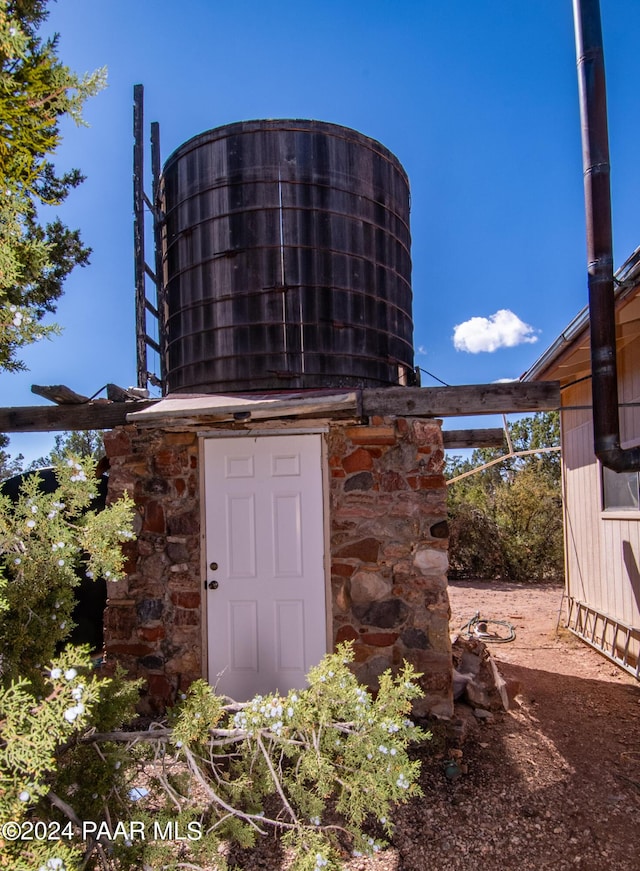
[(264, 529)]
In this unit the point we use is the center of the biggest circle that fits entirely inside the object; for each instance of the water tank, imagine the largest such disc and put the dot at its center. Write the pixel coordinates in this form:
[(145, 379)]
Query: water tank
[(286, 258)]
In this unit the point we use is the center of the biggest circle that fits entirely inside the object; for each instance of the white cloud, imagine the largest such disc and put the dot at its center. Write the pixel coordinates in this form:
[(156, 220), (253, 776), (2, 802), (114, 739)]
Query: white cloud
[(504, 329), (505, 380)]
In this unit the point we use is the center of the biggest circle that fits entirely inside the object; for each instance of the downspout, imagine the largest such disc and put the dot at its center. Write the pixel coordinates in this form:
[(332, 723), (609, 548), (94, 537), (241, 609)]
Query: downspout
[(597, 195)]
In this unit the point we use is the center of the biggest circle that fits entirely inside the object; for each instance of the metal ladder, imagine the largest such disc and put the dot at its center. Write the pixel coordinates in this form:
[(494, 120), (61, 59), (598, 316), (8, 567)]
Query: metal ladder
[(616, 640)]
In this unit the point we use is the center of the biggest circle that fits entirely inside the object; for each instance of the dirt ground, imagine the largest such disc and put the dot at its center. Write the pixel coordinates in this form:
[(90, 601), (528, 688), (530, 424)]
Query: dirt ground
[(554, 783)]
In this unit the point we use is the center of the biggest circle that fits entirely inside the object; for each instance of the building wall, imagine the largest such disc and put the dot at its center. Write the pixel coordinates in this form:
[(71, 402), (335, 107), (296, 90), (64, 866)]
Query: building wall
[(153, 616), (388, 555), (603, 548)]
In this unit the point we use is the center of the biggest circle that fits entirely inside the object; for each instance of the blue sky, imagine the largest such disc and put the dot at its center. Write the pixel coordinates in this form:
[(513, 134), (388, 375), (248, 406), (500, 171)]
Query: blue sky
[(478, 100)]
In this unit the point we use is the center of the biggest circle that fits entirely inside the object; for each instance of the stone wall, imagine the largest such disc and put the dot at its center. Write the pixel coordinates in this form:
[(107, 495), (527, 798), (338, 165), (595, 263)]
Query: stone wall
[(388, 536), (389, 552), (153, 617)]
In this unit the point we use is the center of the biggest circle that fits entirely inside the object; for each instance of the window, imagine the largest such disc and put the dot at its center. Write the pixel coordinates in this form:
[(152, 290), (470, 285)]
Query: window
[(620, 491)]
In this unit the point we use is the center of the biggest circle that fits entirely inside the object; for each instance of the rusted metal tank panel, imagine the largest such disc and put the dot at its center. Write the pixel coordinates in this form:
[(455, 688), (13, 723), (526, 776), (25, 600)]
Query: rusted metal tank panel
[(286, 259)]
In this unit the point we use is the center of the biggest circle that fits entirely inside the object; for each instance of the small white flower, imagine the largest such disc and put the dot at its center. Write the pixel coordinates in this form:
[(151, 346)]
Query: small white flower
[(61, 562), (34, 509), (31, 523), (70, 673), (117, 764), (63, 624), (56, 673), (70, 714), (89, 575), (17, 561), (24, 795), (77, 692)]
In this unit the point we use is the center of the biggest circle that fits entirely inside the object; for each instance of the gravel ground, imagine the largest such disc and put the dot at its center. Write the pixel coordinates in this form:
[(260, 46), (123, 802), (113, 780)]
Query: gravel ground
[(554, 783)]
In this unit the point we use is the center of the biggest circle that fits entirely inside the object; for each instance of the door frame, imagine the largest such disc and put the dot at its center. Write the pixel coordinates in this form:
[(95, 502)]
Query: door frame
[(207, 435)]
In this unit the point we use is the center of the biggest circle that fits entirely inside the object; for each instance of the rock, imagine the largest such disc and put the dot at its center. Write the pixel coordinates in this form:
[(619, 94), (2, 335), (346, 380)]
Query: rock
[(416, 638), (482, 714), (369, 587), (385, 614), (430, 561), (476, 675), (460, 682)]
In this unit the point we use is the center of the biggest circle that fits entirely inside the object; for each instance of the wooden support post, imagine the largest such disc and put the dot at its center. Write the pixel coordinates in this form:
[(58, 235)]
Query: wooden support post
[(138, 233), (158, 220)]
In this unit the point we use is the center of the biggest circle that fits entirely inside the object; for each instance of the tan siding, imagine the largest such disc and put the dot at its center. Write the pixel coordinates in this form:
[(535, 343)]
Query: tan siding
[(603, 555), (581, 509)]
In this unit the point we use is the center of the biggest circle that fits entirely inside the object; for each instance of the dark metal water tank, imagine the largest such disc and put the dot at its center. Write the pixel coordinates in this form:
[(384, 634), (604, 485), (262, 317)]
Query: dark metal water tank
[(286, 252)]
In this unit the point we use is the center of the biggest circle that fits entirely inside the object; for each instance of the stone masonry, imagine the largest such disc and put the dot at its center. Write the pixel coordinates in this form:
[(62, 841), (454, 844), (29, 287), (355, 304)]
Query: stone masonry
[(389, 561), (388, 533), (153, 617)]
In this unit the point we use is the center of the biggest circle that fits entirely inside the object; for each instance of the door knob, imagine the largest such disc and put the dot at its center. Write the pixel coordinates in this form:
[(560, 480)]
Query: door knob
[(213, 585), (213, 566)]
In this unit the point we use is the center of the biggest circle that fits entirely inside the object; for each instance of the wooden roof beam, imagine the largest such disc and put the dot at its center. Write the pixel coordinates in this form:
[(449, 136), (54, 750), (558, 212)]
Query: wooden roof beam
[(512, 397), (472, 438), (58, 418), (467, 400)]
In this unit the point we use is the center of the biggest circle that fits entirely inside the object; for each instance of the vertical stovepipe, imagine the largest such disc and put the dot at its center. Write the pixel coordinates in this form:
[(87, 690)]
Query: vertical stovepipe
[(597, 193)]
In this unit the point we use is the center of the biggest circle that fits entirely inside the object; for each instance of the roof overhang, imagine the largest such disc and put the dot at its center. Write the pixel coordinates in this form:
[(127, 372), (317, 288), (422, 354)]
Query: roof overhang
[(179, 409), (569, 357)]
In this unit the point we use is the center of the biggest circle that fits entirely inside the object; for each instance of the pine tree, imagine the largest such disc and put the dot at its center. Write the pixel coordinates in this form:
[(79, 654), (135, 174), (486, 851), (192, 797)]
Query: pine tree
[(36, 92)]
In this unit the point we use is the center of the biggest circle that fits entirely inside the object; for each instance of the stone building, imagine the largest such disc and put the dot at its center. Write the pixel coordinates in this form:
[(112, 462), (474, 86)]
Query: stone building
[(250, 593)]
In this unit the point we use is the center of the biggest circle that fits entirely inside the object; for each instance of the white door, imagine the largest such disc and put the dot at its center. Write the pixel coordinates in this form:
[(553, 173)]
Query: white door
[(265, 561)]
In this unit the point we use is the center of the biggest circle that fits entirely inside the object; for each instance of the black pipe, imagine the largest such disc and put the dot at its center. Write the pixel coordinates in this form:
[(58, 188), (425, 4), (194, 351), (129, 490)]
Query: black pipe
[(597, 195)]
